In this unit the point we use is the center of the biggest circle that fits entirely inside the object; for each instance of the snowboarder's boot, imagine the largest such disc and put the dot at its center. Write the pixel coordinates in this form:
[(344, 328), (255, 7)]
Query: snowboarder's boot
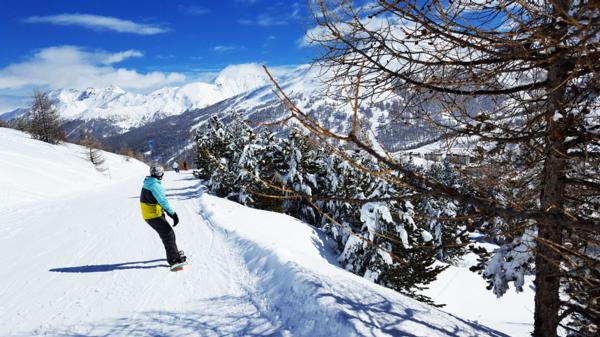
[(179, 263), (182, 256)]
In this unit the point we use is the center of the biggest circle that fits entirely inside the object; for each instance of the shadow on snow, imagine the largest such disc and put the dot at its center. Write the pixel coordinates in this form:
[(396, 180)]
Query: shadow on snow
[(232, 316), (217, 316), (98, 268)]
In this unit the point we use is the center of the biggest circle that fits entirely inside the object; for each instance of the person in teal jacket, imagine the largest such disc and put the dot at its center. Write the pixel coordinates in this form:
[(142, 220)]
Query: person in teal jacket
[(154, 206)]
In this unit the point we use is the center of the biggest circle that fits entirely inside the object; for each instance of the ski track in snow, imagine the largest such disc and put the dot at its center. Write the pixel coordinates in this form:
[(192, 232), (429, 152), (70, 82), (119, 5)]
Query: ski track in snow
[(118, 263), (101, 271), (84, 263)]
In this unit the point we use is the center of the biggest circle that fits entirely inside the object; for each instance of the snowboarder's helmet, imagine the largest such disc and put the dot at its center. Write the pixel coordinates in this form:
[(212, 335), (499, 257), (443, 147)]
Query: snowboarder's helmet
[(157, 171)]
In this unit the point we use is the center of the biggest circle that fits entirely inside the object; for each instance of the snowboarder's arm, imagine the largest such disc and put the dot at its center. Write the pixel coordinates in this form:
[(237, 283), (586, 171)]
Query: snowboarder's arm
[(159, 193)]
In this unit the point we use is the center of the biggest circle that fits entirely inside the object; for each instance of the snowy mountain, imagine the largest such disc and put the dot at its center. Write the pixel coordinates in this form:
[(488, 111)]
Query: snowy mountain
[(112, 110), (81, 261), (162, 121), (172, 136)]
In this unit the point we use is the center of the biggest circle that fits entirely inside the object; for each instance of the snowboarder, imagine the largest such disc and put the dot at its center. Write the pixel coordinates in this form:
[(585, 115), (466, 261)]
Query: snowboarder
[(176, 167), (154, 206)]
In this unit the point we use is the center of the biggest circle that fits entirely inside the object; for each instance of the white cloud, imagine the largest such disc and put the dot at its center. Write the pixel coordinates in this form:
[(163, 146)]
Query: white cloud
[(317, 33), (193, 10), (203, 75), (266, 20), (320, 33), (98, 22), (120, 56), (223, 48), (246, 2), (276, 14), (74, 67)]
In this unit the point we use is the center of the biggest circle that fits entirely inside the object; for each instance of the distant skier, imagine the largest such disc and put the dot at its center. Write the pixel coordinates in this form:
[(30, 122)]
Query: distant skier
[(154, 205), (176, 167)]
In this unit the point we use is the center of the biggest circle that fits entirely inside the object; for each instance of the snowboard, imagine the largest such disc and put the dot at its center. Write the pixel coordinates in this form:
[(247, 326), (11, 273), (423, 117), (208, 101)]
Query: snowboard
[(180, 266)]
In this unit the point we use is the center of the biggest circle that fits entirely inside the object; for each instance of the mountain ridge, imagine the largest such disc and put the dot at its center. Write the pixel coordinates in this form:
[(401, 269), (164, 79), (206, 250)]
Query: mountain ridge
[(126, 110), (162, 124)]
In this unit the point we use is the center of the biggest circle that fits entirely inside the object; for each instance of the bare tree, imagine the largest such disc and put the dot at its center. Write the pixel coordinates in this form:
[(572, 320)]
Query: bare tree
[(130, 153), (93, 149), (44, 123), (521, 78)]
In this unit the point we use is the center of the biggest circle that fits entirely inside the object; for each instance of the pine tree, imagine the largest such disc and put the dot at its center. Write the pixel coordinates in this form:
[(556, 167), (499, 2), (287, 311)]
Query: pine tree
[(292, 175), (298, 171), (439, 216), (215, 157), (415, 266)]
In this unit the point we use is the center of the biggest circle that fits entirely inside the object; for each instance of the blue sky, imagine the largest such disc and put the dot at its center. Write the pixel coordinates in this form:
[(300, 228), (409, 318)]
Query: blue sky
[(143, 44)]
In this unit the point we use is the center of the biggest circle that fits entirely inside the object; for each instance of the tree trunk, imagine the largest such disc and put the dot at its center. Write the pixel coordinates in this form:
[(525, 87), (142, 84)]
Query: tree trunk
[(547, 260)]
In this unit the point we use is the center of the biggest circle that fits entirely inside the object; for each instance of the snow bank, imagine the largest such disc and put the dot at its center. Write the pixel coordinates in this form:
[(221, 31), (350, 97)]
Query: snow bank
[(465, 294), (300, 285), (33, 171)]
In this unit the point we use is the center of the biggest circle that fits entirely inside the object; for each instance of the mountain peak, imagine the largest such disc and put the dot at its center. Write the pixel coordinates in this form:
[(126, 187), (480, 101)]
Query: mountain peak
[(241, 77), (115, 89)]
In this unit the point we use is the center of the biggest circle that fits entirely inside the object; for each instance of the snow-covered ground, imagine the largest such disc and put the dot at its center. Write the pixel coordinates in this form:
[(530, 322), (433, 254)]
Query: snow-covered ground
[(465, 295), (33, 171), (76, 259)]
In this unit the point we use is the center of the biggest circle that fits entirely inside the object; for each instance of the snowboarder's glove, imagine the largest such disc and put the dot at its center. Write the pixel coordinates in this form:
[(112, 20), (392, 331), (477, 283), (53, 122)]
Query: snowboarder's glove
[(175, 219)]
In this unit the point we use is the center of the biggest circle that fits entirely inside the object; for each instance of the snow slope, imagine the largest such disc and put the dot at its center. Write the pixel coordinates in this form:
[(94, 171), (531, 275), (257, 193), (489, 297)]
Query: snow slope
[(465, 295), (81, 262), (33, 171)]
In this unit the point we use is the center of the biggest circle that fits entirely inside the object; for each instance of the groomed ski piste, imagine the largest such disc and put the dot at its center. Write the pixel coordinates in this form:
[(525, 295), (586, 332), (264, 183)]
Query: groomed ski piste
[(76, 259)]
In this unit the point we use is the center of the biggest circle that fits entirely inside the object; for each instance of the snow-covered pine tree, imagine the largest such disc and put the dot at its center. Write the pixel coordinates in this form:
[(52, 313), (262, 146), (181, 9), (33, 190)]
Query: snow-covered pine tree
[(267, 162), (248, 151), (364, 251), (346, 183), (388, 247), (214, 146), (414, 266), (439, 217), (376, 239), (298, 171)]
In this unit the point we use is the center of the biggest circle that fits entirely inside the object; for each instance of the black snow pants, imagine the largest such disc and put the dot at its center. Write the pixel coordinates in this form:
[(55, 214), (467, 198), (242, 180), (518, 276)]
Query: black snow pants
[(167, 235)]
